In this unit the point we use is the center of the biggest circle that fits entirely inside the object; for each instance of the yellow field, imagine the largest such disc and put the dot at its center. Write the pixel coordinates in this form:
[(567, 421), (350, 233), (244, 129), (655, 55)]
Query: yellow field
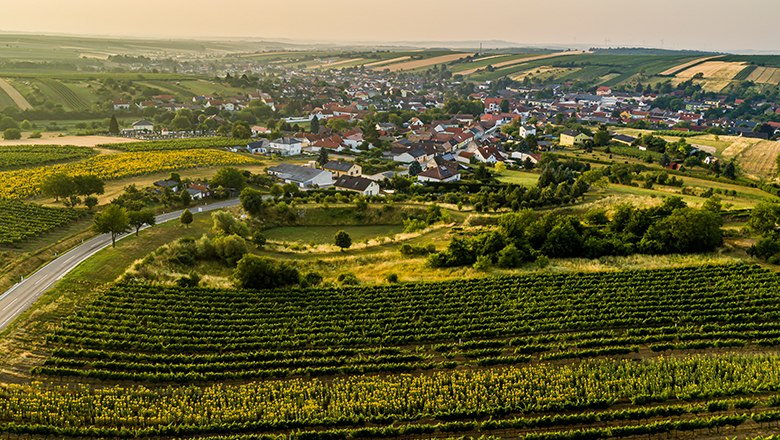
[(755, 157), (545, 72), (417, 64), (717, 74), (680, 67), (336, 63), (525, 60), (390, 61), (765, 75)]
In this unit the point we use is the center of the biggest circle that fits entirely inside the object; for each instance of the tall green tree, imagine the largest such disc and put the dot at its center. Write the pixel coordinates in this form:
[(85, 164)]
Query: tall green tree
[(323, 157), (315, 125), (112, 220), (186, 218), (113, 125), (343, 240), (139, 219)]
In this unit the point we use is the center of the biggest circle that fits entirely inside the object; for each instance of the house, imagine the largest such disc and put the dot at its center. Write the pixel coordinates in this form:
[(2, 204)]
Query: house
[(440, 171), (259, 129), (360, 184), (198, 191), (527, 130), (143, 125), (570, 138), (303, 177), (603, 91), (624, 139), (167, 184), (489, 155), (353, 138), (121, 105), (342, 168), (534, 158), (330, 143), (492, 105), (259, 147), (286, 146)]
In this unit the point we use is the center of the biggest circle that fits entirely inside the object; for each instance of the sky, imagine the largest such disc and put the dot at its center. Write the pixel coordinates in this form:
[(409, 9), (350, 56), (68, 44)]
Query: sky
[(713, 25)]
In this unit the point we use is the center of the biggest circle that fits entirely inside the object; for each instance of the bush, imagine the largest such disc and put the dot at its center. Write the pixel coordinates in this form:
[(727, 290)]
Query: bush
[(408, 250), (311, 279), (348, 279), (392, 278), (12, 134), (254, 272), (230, 248)]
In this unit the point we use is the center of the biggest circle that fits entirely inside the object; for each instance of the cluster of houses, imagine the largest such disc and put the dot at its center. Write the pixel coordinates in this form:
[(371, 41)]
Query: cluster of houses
[(341, 175)]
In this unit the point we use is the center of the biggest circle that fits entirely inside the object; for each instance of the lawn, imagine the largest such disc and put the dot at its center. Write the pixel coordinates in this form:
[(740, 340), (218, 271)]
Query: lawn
[(325, 234), (519, 178)]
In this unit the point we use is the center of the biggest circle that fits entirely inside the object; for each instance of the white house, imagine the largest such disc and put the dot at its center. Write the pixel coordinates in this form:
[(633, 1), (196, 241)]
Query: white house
[(440, 173), (527, 130), (286, 146), (121, 105), (365, 186), (143, 125), (304, 177), (489, 155)]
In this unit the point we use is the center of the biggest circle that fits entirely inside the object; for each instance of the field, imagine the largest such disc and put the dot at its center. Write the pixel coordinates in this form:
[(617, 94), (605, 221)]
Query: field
[(20, 220), (175, 144), (684, 66), (12, 157), (325, 234), (10, 93), (521, 60), (717, 74), (553, 356), (755, 157), (544, 73), (765, 75), (26, 183), (389, 61), (423, 63)]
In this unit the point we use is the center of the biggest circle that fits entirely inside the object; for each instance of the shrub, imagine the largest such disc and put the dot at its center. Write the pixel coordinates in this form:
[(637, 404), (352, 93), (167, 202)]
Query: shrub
[(348, 279), (254, 272)]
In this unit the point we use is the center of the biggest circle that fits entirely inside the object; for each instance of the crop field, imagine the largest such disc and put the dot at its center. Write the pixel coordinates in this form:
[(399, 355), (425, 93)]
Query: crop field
[(57, 92), (213, 335), (717, 74), (21, 220), (481, 63), (684, 66), (755, 157), (549, 356), (20, 156), (423, 63), (388, 61), (765, 75), (545, 72), (13, 95), (175, 144), (26, 182)]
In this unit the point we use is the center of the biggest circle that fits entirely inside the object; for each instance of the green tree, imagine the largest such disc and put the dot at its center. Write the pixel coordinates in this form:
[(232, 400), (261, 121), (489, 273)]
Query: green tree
[(7, 122), (88, 184), (322, 159), (113, 125), (601, 138), (254, 272), (181, 123), (415, 168), (229, 178), (90, 202), (224, 223), (765, 218), (241, 130), (185, 197), (59, 186), (137, 219), (10, 134), (343, 240), (186, 218), (252, 201), (730, 170), (114, 220), (315, 125)]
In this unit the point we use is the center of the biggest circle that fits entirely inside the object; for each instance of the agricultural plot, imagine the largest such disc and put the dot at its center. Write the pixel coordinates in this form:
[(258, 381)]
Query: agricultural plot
[(214, 335), (175, 144), (57, 92), (21, 220), (5, 100), (755, 157), (765, 75), (481, 63), (26, 183), (20, 156), (716, 74), (13, 95), (325, 234), (684, 66), (339, 63), (525, 59), (390, 61), (423, 63)]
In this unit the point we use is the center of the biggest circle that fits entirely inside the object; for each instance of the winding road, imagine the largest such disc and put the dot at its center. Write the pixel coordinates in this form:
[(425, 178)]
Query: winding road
[(23, 294)]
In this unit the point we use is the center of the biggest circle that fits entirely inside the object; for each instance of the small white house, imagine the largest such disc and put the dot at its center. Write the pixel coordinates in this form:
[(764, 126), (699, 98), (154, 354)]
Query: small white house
[(286, 146), (304, 177), (143, 125), (527, 130)]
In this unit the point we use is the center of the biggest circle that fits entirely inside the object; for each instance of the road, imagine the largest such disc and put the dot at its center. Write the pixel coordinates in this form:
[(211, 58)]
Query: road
[(22, 295)]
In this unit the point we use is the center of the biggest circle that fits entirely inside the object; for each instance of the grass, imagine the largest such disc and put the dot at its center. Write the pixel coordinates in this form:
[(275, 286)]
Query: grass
[(519, 178), (325, 234)]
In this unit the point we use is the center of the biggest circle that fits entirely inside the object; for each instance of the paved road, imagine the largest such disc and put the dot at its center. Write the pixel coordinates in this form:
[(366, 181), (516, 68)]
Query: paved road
[(21, 296)]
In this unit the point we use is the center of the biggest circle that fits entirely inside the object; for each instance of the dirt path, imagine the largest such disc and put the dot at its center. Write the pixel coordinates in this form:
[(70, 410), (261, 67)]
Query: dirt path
[(14, 94), (82, 141)]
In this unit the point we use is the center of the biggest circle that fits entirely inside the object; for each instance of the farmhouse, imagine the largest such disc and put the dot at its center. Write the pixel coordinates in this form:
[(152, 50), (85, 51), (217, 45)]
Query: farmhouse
[(259, 147), (143, 125), (440, 171), (570, 138), (489, 155), (624, 139), (167, 184), (342, 168), (365, 186), (304, 177), (533, 158), (527, 130), (286, 146), (121, 105)]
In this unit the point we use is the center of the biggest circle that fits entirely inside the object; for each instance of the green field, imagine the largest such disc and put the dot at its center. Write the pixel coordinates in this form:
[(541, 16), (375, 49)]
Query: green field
[(326, 234), (519, 178)]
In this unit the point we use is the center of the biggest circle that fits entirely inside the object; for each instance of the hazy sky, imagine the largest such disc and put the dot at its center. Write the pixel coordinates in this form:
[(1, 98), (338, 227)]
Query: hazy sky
[(719, 25)]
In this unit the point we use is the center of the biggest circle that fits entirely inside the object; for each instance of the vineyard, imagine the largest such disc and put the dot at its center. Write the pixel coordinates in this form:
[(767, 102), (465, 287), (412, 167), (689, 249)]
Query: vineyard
[(62, 93), (177, 144), (151, 333), (20, 156), (20, 220), (27, 182)]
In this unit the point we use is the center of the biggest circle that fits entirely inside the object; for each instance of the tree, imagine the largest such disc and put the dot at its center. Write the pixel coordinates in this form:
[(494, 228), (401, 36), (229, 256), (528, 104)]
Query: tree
[(112, 220), (7, 122), (415, 168), (315, 125), (230, 178), (504, 106), (59, 186), (186, 218), (113, 125), (252, 201), (12, 134), (181, 123), (225, 224), (343, 240), (730, 170), (88, 184), (90, 202), (323, 157), (186, 198), (241, 130), (254, 272), (601, 138), (499, 167), (138, 219)]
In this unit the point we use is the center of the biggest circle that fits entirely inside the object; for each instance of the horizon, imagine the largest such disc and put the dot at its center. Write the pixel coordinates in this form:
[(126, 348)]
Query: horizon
[(344, 22)]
